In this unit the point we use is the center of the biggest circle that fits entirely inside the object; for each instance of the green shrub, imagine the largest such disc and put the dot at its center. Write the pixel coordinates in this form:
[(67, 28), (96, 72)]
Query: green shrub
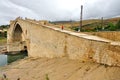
[(74, 28), (118, 25), (111, 27)]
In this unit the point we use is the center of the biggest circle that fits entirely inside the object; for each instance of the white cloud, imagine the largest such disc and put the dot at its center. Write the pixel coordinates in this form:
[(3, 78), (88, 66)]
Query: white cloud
[(57, 9)]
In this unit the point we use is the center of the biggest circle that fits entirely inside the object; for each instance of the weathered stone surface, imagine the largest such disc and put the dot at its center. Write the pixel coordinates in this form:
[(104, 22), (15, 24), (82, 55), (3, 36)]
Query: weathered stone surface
[(45, 41)]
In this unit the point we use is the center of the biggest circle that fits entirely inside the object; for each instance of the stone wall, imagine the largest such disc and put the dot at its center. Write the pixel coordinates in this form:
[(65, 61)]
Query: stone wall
[(49, 42), (112, 35)]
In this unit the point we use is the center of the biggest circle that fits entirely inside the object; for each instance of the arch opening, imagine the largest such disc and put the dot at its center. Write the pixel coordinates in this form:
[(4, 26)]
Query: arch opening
[(17, 34)]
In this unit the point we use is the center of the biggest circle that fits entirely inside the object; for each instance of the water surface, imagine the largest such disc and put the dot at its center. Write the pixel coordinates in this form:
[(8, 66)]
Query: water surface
[(3, 60)]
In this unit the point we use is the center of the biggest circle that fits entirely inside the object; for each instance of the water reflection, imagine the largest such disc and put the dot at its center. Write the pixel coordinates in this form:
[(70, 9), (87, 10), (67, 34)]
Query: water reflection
[(3, 60)]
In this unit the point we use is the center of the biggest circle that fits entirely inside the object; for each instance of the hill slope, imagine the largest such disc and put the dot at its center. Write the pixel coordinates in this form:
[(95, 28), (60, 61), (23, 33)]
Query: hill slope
[(87, 25)]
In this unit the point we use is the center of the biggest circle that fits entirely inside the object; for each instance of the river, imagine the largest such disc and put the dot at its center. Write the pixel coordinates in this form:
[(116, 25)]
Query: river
[(3, 60), (9, 58)]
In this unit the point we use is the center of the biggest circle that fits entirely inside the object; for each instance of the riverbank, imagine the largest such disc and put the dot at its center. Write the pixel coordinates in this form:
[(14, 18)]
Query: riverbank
[(59, 69), (3, 45)]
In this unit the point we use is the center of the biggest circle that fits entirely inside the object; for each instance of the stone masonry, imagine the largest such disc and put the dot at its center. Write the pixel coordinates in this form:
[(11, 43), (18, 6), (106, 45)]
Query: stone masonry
[(46, 41)]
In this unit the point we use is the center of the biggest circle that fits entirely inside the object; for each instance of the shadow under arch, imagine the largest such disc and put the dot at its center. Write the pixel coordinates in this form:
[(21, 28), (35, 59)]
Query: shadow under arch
[(17, 33)]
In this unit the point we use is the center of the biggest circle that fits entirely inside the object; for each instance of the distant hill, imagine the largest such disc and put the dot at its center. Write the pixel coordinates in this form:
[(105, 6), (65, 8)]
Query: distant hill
[(98, 24), (87, 25), (113, 19), (62, 22)]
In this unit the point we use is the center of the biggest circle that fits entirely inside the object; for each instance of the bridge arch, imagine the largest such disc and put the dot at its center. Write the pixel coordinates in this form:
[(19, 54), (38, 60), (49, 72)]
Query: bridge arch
[(17, 38)]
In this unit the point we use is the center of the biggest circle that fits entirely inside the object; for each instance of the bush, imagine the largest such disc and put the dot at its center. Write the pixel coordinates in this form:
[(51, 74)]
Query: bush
[(75, 28), (118, 25), (111, 27)]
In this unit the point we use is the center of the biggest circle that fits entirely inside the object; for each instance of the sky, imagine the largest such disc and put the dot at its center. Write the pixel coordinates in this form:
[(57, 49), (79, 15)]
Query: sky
[(56, 10)]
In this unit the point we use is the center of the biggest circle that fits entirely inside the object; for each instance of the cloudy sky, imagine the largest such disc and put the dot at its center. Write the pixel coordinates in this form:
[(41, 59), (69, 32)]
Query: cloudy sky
[(57, 9)]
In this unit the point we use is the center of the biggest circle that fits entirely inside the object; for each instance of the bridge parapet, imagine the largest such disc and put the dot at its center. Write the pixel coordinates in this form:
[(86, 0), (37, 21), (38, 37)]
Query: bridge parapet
[(42, 22)]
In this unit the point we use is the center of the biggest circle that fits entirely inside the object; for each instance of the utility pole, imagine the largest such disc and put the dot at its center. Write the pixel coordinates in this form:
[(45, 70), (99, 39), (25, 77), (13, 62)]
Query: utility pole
[(102, 23), (81, 14)]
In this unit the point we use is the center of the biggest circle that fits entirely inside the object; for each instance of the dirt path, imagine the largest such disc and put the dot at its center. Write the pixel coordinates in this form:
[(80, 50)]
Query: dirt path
[(59, 69)]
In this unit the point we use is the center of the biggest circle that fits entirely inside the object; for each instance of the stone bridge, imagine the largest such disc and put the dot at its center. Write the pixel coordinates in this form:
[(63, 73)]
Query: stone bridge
[(42, 40)]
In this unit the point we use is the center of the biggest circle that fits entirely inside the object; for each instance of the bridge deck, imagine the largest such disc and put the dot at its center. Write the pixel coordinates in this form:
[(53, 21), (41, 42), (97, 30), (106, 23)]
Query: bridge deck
[(87, 36)]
